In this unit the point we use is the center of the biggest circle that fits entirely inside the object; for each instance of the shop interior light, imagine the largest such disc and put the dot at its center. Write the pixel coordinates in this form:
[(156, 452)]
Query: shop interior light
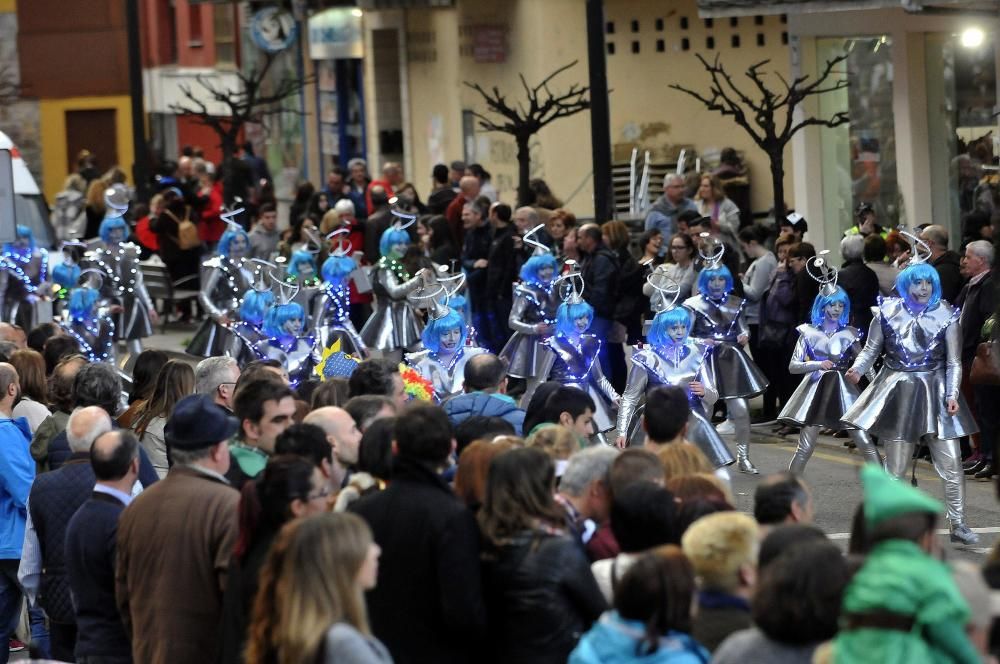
[(356, 12), (972, 38)]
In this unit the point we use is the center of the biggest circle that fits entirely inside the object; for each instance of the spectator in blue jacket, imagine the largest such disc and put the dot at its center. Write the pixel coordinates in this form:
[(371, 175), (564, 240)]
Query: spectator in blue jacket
[(485, 393), (17, 472)]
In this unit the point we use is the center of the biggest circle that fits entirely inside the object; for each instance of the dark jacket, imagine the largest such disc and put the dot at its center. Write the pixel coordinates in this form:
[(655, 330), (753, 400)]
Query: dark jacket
[(629, 301), (541, 597), (600, 274), (501, 272), (438, 201), (428, 604), (242, 581), (476, 246), (978, 302), (718, 616), (861, 284), (374, 226), (53, 500), (949, 270), (464, 406), (90, 567), (59, 454), (806, 289)]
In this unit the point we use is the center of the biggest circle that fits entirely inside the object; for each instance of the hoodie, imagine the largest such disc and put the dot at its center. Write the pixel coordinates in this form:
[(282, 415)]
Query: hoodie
[(17, 472), (464, 406)]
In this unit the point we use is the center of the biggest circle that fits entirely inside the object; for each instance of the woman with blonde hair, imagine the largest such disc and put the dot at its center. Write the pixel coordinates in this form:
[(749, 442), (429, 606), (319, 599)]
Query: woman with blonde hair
[(558, 442), (95, 207), (33, 404), (310, 606), (712, 202), (473, 469), (329, 222), (174, 382), (683, 459)]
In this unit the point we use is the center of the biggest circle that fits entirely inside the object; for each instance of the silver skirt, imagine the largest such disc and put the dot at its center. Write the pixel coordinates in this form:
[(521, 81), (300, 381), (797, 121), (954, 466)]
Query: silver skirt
[(700, 432), (907, 405), (393, 326), (350, 342), (210, 340), (821, 399), (527, 356), (735, 375)]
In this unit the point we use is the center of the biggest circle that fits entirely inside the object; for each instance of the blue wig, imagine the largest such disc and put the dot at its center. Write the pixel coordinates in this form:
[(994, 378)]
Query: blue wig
[(228, 237), (337, 268), (255, 305), (280, 314), (710, 273), (663, 321), (567, 314), (22, 232), (532, 266), (297, 259), (431, 335), (66, 275), (819, 304), (917, 272), (391, 236), (109, 224), (81, 303)]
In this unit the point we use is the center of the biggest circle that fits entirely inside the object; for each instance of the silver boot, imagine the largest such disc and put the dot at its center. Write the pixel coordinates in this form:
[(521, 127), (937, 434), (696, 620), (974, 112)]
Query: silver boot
[(963, 534), (743, 463)]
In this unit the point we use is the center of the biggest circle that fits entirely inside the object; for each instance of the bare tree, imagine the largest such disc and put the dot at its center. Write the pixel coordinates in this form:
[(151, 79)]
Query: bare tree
[(524, 119), (769, 118), (10, 87)]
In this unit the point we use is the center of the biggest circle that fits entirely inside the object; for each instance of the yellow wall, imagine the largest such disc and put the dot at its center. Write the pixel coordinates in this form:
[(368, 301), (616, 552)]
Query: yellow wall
[(52, 120), (8, 6), (544, 35)]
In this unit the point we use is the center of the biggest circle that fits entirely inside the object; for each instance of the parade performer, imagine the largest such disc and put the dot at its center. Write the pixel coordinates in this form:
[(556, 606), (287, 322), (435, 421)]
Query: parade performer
[(83, 320), (575, 362), (226, 277), (394, 326), (673, 358), (718, 322), (532, 317), (284, 325), (824, 351), (123, 287), (248, 331), (915, 397), (303, 271), (24, 296), (333, 311), (67, 274), (445, 353)]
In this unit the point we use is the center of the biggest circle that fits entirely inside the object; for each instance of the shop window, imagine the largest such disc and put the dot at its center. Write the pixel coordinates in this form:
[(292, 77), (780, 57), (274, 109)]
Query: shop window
[(194, 25), (224, 34)]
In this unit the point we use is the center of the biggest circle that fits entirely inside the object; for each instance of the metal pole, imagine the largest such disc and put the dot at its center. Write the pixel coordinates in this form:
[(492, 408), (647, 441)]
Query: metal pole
[(600, 123), (140, 173)]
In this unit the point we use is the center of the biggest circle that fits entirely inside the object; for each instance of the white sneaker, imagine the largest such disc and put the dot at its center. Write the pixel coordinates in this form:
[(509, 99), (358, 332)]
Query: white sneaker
[(725, 428)]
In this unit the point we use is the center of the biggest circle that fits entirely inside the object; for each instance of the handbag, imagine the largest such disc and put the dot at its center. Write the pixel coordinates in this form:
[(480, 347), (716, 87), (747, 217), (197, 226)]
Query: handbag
[(187, 231), (984, 366)]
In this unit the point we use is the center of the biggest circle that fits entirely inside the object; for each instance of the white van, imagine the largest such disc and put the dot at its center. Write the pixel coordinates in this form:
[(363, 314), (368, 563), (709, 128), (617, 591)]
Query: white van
[(30, 208)]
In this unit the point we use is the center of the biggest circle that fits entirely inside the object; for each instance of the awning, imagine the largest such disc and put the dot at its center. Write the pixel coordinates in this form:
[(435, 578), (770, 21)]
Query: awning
[(720, 8)]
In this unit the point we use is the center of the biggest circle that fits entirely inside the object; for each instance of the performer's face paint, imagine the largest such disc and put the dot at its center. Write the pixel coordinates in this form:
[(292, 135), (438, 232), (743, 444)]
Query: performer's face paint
[(920, 291), (834, 311), (306, 271), (717, 286), (677, 332), (450, 340), (293, 326), (238, 246), (398, 250), (117, 235), (545, 274), (22, 242), (582, 324)]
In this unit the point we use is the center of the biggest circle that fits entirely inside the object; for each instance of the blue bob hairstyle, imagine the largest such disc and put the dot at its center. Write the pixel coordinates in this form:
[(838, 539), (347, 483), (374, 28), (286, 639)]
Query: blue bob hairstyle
[(81, 303), (391, 236), (66, 275), (297, 259), (110, 224), (663, 321), (336, 268), (534, 265), (227, 239), (255, 305), (431, 335), (711, 273), (280, 314), (918, 272), (23, 232), (567, 314), (819, 304)]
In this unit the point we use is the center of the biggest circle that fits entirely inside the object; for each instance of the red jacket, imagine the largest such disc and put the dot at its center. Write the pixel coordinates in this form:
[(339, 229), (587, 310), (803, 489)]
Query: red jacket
[(357, 240), (210, 226), (368, 192)]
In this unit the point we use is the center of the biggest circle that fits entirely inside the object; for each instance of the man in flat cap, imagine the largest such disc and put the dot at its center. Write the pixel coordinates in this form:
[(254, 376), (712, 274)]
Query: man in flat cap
[(175, 541)]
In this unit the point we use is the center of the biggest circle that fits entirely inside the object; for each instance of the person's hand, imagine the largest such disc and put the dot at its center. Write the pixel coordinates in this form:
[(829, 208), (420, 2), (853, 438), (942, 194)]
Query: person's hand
[(115, 309), (518, 241), (903, 257), (742, 339), (782, 266), (826, 365), (154, 317), (544, 329), (481, 263), (697, 388), (620, 442), (952, 406), (224, 320), (853, 376)]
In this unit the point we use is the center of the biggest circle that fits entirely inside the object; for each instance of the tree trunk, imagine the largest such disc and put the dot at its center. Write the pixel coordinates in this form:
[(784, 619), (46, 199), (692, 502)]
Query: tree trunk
[(778, 183), (523, 170)]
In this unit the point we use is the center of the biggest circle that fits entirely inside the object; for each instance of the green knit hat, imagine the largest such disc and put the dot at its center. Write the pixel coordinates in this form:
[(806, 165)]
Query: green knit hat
[(886, 497)]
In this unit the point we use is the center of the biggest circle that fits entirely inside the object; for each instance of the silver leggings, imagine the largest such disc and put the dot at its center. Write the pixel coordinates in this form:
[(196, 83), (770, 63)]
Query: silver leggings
[(947, 459), (739, 413), (807, 444), (134, 346)]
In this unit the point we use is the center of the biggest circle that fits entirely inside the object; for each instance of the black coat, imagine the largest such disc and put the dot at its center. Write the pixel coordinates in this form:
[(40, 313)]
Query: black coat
[(501, 272), (861, 284), (541, 597), (600, 275), (806, 289), (476, 246), (949, 270), (428, 604), (978, 302)]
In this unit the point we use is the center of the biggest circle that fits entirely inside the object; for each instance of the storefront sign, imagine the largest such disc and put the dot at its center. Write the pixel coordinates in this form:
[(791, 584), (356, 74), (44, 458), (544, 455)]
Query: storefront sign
[(336, 34), (273, 29)]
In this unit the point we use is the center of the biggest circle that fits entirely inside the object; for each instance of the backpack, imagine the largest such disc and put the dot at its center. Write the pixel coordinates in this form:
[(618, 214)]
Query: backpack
[(187, 232), (69, 217)]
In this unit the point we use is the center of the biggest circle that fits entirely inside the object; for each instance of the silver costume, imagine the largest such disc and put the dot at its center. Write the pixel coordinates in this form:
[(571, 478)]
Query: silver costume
[(23, 275), (906, 401), (734, 375), (299, 358), (824, 395), (96, 337), (576, 365), (526, 354), (332, 321), (448, 379), (123, 286), (678, 365), (394, 325), (243, 339), (224, 281)]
